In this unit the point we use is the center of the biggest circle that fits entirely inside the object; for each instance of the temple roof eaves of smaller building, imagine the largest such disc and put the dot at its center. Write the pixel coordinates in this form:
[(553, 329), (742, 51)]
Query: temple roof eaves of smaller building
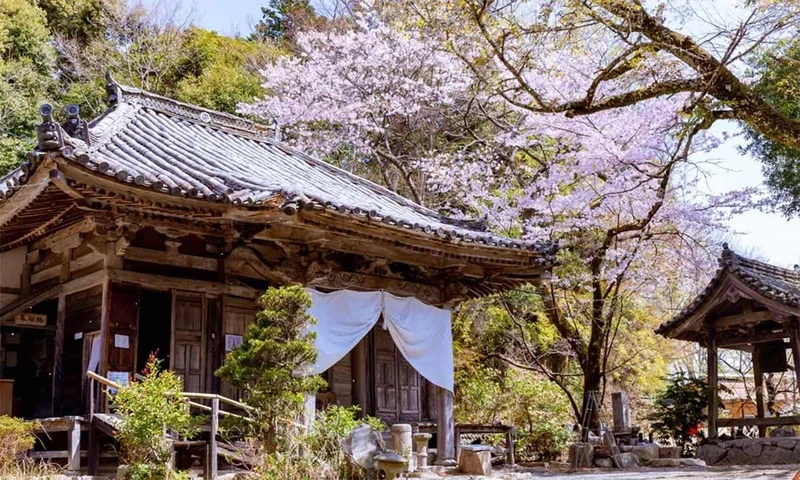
[(178, 149), (775, 283)]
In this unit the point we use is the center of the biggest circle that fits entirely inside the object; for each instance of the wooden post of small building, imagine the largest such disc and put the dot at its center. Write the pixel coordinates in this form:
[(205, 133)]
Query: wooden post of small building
[(712, 384), (58, 355), (794, 332), (212, 461), (759, 383)]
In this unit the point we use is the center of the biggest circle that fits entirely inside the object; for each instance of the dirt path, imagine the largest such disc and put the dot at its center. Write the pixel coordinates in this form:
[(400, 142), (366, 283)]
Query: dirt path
[(775, 472)]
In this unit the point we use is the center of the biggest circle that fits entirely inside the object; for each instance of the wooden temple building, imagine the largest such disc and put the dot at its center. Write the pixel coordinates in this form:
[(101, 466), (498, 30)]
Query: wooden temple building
[(750, 306), (155, 227)]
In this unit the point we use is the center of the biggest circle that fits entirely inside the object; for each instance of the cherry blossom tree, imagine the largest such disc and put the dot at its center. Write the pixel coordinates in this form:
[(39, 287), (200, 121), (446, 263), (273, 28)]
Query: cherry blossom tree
[(391, 96)]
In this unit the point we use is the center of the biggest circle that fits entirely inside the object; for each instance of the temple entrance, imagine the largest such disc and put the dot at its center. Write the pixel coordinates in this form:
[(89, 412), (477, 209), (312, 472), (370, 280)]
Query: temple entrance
[(189, 340), (155, 327), (397, 384)]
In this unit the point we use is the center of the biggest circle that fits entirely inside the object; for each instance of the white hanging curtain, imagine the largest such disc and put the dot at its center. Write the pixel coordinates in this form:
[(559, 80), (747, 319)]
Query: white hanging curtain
[(421, 332), (343, 318), (423, 335)]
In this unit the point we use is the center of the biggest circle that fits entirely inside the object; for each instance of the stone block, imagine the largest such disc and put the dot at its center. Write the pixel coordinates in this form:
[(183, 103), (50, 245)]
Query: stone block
[(604, 462), (736, 456), (628, 460), (783, 432), (692, 462), (475, 461), (787, 444), (752, 449), (669, 452), (774, 455), (711, 454), (645, 452), (664, 462), (581, 455)]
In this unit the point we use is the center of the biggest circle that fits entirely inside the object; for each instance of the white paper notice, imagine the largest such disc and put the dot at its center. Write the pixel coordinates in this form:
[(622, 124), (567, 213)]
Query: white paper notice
[(232, 341), (121, 341), (78, 335)]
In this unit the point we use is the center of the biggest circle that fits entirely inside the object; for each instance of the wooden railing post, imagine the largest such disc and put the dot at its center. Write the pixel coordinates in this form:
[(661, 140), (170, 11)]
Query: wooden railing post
[(213, 442), (92, 385)]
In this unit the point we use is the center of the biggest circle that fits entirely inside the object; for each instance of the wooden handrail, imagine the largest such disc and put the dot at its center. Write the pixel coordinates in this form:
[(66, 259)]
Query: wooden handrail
[(221, 412), (187, 396), (212, 396), (103, 380)]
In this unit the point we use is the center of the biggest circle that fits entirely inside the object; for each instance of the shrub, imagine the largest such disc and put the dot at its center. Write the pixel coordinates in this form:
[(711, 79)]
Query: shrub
[(273, 349), (679, 410), (317, 454), (545, 441), (16, 438), (147, 407)]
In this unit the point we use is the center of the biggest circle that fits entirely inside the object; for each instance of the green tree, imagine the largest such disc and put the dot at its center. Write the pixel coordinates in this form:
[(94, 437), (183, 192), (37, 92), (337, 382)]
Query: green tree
[(280, 19), (274, 349), (27, 70), (679, 410), (779, 85), (219, 72)]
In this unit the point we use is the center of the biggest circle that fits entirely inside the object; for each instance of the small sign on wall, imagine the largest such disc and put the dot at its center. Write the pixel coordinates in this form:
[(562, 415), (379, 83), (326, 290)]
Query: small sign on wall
[(78, 335), (30, 319), (232, 341), (122, 341), (120, 378)]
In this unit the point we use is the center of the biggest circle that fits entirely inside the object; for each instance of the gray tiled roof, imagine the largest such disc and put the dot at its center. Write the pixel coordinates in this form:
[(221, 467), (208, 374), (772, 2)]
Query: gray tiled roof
[(176, 148), (776, 283)]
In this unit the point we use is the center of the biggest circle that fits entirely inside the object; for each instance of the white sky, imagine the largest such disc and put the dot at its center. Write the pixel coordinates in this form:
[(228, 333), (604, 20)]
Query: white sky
[(769, 236)]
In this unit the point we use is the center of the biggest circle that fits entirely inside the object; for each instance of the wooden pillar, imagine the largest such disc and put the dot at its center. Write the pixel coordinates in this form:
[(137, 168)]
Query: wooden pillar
[(759, 383), (358, 362), (712, 384), (105, 325), (94, 447), (74, 448), (58, 356), (794, 332), (445, 430), (212, 460)]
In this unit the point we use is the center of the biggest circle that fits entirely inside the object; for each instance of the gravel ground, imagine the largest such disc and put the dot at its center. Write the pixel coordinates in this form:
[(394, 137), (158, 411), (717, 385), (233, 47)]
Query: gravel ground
[(775, 472)]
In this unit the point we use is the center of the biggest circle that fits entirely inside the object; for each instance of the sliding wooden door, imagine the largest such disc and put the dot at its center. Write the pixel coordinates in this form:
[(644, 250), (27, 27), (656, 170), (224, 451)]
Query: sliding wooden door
[(189, 340)]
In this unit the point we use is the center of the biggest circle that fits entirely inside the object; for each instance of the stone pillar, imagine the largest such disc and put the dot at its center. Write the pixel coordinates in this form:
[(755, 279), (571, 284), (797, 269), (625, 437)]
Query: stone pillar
[(309, 410), (445, 430), (621, 412), (421, 440), (401, 443)]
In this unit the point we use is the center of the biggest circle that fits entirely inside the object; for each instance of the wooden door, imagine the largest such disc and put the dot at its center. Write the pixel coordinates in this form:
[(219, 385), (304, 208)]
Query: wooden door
[(238, 315), (397, 384), (188, 340)]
